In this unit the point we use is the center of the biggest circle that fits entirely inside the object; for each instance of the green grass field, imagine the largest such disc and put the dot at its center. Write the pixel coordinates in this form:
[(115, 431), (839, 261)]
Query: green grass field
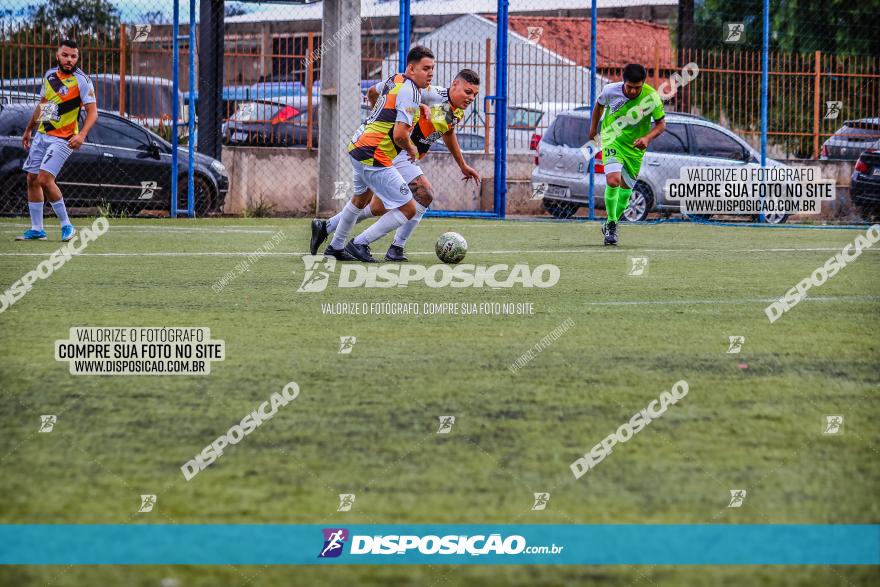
[(366, 422)]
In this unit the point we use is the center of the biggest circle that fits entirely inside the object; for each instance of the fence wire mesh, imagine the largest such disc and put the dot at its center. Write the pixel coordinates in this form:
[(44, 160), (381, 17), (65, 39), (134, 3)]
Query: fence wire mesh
[(276, 73)]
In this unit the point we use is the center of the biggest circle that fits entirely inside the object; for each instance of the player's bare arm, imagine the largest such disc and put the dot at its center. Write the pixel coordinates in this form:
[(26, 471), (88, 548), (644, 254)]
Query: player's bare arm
[(403, 140), (372, 96), (455, 149), (595, 117), (658, 129), (32, 124), (79, 138)]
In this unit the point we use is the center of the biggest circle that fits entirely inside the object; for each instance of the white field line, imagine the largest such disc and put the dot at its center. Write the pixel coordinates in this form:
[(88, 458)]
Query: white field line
[(592, 250), (728, 302), (172, 229)]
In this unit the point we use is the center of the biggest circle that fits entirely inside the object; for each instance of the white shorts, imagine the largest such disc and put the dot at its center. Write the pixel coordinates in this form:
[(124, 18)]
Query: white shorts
[(47, 153), (612, 165), (408, 169), (386, 182)]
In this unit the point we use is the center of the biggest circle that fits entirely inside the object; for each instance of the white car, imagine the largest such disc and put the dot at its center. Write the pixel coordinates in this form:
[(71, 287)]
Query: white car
[(562, 170)]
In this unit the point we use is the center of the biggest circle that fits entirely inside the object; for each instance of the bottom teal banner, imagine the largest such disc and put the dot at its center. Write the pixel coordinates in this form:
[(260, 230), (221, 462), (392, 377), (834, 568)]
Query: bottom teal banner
[(487, 544)]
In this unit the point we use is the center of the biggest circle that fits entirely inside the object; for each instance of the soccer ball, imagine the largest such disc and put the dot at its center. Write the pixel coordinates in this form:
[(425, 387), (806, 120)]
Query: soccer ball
[(451, 247)]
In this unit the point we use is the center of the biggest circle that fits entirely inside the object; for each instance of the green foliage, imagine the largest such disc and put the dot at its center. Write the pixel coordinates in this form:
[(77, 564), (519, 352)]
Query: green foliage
[(832, 26), (259, 208), (80, 16)]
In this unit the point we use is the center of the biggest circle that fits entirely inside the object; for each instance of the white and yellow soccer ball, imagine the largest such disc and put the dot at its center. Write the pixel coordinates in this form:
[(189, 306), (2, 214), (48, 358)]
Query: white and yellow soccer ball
[(451, 247)]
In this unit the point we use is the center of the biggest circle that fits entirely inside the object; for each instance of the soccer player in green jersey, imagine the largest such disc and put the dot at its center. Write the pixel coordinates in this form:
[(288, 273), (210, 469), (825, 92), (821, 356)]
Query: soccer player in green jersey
[(626, 132)]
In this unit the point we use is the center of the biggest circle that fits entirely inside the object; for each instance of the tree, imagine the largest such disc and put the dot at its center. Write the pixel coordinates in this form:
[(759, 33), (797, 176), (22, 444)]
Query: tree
[(234, 9), (831, 26), (153, 17), (81, 16)]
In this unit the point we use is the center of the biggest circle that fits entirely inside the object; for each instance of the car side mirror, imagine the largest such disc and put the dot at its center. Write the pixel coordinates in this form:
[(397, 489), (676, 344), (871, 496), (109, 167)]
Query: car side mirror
[(153, 150)]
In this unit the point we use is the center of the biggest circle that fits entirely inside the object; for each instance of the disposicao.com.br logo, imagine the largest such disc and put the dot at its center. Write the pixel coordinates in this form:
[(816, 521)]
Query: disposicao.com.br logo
[(319, 270), (334, 540)]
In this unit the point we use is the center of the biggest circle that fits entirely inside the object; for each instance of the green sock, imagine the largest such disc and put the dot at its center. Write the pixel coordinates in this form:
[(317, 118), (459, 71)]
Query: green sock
[(623, 195), (610, 202)]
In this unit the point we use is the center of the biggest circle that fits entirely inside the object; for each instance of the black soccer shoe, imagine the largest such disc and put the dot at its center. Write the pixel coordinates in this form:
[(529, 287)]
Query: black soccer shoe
[(395, 253), (610, 230), (360, 252), (319, 235), (338, 254)]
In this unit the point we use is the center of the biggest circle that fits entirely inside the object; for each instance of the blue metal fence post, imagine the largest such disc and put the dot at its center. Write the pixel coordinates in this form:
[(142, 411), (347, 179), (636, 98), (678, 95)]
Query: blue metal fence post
[(501, 111), (191, 118), (175, 84), (765, 78), (403, 35), (591, 162)]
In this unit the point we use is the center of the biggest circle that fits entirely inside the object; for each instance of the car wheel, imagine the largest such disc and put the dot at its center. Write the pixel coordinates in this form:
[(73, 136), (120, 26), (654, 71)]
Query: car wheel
[(13, 195), (772, 218), (203, 194), (640, 203), (559, 209)]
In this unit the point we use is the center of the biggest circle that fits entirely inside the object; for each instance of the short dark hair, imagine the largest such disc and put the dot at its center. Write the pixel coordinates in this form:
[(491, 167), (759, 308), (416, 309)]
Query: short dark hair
[(634, 73), (68, 43), (469, 75), (418, 53)]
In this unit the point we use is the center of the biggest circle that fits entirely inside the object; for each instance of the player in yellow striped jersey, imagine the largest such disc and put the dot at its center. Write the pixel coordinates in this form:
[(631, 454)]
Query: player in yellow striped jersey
[(442, 110), (384, 135), (65, 91)]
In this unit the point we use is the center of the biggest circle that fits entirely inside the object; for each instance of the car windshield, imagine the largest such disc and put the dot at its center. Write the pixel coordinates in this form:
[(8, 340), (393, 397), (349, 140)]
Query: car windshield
[(523, 118), (264, 112)]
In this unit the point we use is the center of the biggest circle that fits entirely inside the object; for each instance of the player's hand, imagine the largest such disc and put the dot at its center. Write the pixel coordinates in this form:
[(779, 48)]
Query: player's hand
[(471, 173), (26, 140), (641, 143), (424, 111), (76, 141), (413, 154)]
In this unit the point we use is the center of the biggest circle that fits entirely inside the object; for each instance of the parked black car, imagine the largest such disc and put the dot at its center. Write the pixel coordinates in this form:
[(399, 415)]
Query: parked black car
[(121, 164), (865, 189)]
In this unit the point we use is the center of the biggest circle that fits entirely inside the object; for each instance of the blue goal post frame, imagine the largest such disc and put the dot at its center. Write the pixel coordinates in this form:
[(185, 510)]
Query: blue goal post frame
[(499, 206), (175, 113)]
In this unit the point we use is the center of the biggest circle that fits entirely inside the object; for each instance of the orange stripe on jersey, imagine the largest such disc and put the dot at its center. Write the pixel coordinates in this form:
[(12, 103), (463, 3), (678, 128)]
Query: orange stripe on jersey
[(382, 158), (373, 144), (64, 132), (426, 125), (371, 139)]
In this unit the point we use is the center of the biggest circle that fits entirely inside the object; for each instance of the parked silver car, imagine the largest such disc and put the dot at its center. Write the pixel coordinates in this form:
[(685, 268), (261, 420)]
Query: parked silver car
[(562, 174), (16, 97)]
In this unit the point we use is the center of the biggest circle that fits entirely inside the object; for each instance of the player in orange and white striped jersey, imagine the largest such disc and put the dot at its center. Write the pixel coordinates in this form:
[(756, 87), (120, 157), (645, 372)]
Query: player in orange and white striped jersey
[(372, 150), (66, 90), (442, 110)]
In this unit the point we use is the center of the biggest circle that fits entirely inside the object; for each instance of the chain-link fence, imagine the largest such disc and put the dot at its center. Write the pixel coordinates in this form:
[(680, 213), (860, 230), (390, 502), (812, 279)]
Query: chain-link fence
[(281, 88)]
